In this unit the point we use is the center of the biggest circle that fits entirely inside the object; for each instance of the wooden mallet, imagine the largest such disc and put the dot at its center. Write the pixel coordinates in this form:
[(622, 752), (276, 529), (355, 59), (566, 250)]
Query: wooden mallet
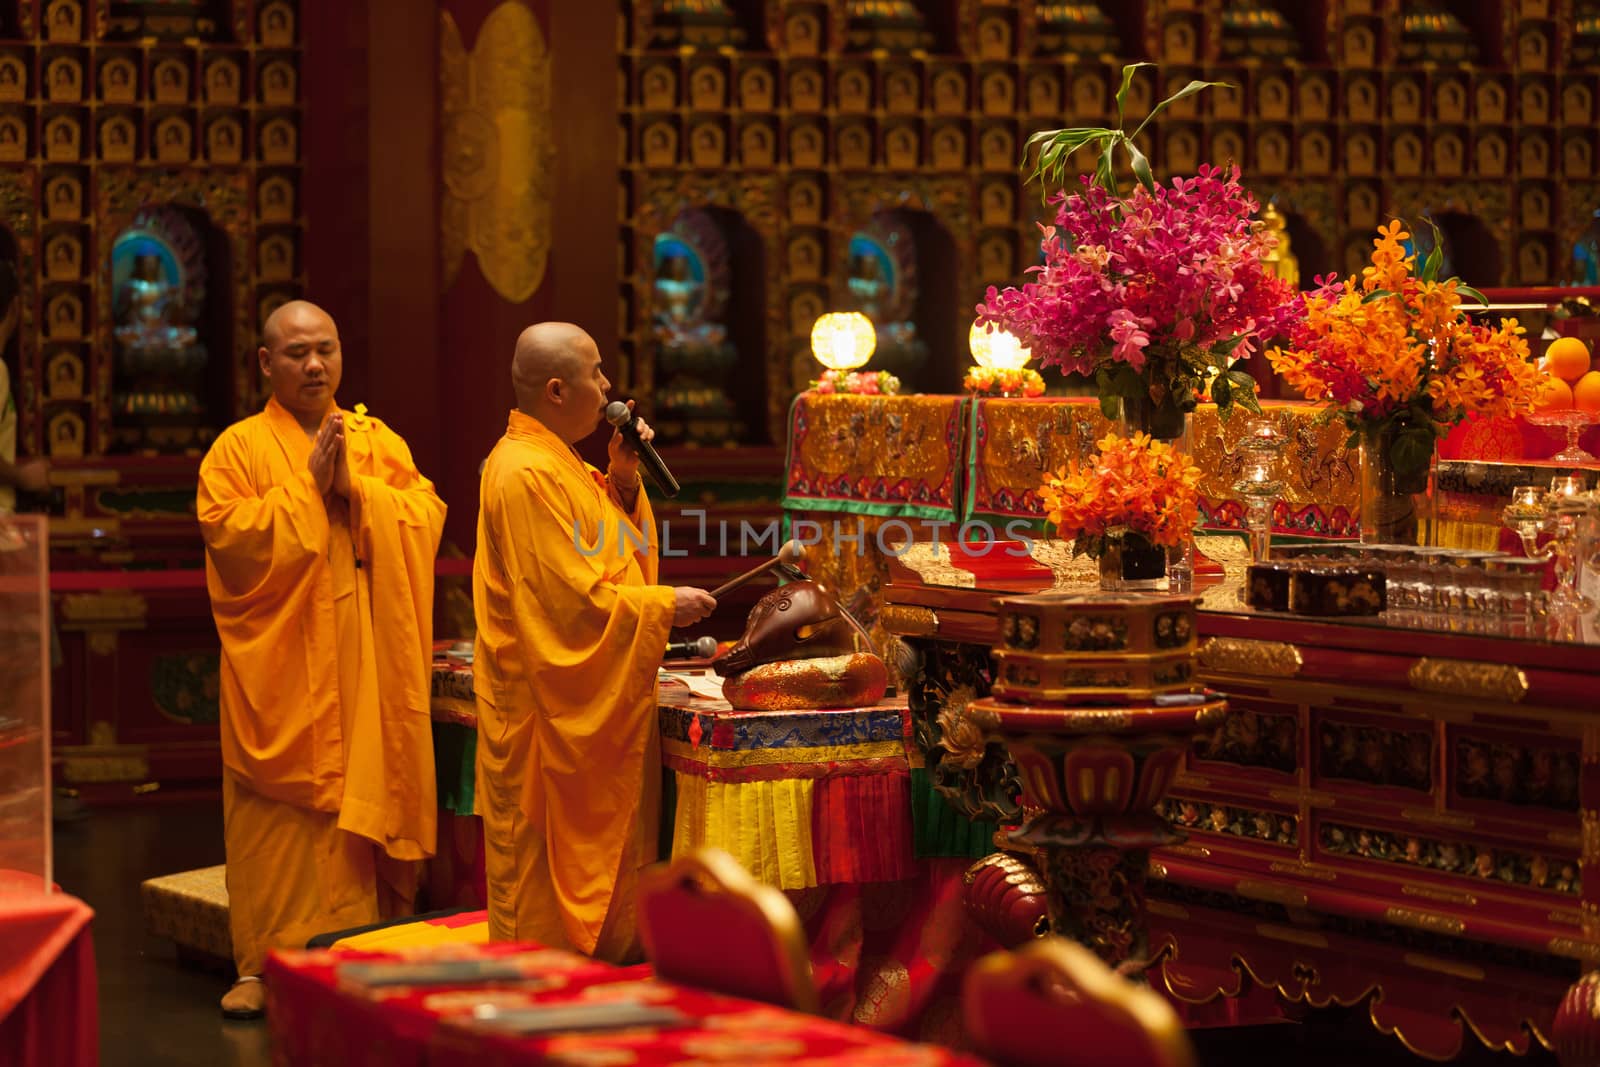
[(791, 553)]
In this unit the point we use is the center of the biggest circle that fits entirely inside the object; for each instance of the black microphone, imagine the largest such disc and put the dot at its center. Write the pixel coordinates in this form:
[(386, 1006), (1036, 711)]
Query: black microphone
[(699, 648), (618, 415)]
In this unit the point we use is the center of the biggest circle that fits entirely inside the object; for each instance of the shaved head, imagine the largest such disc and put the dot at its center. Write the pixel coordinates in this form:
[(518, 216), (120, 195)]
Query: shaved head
[(301, 360), (288, 315), (556, 374)]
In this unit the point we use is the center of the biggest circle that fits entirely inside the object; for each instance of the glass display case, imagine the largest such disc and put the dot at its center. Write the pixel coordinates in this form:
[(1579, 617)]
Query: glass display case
[(24, 704)]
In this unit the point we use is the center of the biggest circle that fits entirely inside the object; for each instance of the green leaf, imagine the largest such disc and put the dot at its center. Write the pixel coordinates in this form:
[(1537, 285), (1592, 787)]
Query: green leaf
[(1226, 347), (1472, 294), (1127, 80), (1109, 407), (1188, 90), (1140, 165), (1104, 176), (1125, 381), (1243, 387), (1222, 395), (1376, 294), (1354, 440), (1430, 266), (1411, 450)]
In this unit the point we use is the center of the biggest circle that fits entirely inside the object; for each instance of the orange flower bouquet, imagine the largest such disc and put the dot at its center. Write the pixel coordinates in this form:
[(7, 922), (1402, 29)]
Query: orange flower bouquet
[(1402, 364), (1127, 504)]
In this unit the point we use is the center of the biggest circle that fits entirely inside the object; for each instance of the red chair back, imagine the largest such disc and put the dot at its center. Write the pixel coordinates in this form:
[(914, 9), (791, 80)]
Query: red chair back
[(706, 922), (1053, 1003)]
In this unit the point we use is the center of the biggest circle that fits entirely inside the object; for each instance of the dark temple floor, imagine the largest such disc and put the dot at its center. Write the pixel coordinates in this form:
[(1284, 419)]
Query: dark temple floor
[(154, 1010)]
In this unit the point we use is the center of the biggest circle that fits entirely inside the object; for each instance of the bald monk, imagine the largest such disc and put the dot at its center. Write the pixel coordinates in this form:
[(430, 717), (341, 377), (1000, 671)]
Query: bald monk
[(320, 539), (571, 630)]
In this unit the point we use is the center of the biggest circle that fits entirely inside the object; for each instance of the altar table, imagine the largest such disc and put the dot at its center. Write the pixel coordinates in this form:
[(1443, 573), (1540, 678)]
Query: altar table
[(827, 805), (317, 1020), (49, 1001)]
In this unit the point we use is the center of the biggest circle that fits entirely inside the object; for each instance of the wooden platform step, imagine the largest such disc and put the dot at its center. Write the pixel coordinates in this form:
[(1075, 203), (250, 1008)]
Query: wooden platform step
[(190, 908)]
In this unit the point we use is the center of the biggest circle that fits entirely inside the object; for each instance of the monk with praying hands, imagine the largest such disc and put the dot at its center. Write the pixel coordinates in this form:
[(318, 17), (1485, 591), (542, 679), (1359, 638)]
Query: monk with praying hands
[(320, 537), (571, 629)]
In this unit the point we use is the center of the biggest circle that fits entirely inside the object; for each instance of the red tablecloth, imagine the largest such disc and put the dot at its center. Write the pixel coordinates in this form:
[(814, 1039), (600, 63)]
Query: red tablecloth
[(49, 1007), (314, 1020)]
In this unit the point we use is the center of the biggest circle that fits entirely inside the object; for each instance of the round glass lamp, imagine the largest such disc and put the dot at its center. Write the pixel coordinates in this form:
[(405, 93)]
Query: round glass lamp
[(843, 340), (996, 349)]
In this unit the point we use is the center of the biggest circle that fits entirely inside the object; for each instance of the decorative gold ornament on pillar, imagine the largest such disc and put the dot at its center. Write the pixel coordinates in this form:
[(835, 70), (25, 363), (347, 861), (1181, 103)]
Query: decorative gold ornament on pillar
[(494, 106)]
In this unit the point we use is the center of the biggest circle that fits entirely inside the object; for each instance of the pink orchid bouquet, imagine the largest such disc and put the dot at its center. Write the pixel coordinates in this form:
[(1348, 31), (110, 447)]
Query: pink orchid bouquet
[(860, 383), (1153, 294)]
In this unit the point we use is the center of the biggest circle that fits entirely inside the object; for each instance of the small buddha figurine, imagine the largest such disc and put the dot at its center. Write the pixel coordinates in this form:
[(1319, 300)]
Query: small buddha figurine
[(693, 354)]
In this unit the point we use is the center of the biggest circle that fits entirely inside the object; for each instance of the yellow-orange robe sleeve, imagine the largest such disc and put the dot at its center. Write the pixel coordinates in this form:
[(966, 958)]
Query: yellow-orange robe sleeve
[(264, 554), (396, 520), (591, 630)]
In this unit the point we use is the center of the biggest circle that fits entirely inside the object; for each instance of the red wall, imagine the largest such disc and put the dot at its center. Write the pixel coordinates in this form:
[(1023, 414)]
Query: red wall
[(437, 366)]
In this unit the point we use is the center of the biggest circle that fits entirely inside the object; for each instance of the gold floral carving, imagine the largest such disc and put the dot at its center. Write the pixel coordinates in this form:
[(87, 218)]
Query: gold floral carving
[(1238, 655), (1444, 896), (1464, 678), (1426, 920), (931, 563), (907, 620), (961, 734), (1304, 870), (497, 148)]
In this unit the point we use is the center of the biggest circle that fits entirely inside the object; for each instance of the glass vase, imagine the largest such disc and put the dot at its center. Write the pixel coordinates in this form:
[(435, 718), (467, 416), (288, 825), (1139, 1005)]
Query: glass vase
[(1168, 423), (1131, 564), (1397, 506)]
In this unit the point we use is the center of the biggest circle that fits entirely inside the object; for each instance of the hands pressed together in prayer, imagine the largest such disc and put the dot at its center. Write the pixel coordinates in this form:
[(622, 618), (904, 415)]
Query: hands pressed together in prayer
[(327, 464)]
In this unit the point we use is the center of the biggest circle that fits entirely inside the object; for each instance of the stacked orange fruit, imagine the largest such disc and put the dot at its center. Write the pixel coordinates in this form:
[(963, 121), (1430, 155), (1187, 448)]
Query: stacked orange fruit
[(1568, 382)]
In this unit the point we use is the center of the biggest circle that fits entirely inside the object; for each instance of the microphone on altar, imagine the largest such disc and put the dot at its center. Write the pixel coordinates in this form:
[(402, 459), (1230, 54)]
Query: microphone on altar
[(699, 648), (618, 415)]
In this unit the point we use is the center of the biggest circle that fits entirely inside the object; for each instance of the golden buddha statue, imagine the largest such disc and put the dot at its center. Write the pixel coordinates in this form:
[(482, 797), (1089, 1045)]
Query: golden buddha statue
[(1081, 29), (1281, 259), (1253, 29)]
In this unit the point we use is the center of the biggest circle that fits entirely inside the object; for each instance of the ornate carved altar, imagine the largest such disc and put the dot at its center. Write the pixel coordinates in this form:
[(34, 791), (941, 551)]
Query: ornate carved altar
[(1395, 819)]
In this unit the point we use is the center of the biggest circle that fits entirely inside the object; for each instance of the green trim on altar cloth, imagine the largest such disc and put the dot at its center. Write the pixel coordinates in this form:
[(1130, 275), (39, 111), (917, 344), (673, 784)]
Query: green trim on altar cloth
[(941, 832), (455, 753)]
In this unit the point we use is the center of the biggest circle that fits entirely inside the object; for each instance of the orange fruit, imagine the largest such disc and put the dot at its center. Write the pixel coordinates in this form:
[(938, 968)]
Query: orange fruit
[(1567, 358), (1554, 395), (1586, 393)]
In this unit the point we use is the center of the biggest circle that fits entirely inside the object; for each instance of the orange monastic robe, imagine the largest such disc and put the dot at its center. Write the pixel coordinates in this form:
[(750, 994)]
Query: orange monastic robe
[(327, 749), (571, 630)]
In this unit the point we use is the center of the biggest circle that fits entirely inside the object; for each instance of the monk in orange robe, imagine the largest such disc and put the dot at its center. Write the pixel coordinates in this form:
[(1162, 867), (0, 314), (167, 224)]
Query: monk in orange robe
[(320, 538), (571, 629)]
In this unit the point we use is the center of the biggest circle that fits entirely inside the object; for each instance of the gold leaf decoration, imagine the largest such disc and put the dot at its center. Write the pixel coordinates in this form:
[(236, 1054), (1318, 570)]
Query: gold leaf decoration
[(496, 150)]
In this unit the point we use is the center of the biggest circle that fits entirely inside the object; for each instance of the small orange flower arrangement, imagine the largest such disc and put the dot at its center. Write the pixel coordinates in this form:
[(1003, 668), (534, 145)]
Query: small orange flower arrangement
[(1003, 381), (1133, 488)]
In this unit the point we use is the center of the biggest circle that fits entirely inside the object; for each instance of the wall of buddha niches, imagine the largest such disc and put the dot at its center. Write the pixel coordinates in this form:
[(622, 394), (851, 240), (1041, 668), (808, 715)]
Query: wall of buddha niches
[(782, 158), (149, 178)]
